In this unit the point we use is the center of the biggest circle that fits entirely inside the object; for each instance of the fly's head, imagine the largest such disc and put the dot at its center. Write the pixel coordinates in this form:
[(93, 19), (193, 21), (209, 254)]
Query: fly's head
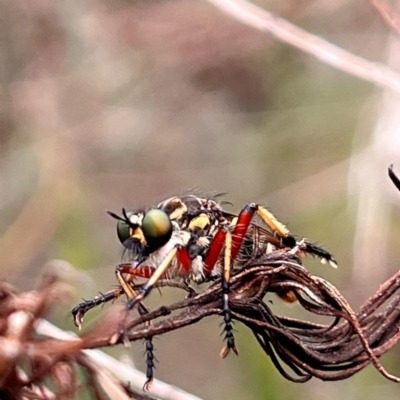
[(194, 220), (143, 232)]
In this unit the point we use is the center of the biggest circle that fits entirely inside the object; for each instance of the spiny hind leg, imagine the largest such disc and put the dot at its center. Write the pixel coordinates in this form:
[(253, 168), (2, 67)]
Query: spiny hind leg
[(280, 231)]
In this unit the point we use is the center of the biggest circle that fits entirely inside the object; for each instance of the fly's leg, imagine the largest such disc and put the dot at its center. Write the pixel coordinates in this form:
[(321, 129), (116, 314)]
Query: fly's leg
[(394, 178), (135, 299), (223, 238), (81, 309), (158, 273), (280, 230), (228, 328), (233, 242), (132, 294)]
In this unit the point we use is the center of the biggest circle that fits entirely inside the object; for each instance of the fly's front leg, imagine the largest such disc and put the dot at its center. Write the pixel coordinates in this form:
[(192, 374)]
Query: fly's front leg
[(81, 309), (157, 274), (136, 298), (132, 294)]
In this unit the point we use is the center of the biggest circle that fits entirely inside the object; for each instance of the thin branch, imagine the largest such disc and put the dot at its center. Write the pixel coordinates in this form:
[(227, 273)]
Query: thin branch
[(121, 370), (258, 18), (387, 14), (299, 349)]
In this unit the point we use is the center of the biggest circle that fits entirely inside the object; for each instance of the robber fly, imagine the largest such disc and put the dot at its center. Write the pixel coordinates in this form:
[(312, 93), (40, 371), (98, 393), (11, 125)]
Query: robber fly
[(193, 239)]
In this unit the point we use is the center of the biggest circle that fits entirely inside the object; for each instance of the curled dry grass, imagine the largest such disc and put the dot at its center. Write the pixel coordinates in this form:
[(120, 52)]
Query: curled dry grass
[(36, 367), (43, 367)]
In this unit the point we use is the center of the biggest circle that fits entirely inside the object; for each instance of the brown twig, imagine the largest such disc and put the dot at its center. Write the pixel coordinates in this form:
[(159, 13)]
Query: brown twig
[(388, 15), (332, 351), (263, 20)]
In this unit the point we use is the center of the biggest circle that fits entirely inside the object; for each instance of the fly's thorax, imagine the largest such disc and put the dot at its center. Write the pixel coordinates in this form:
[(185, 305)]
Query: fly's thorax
[(174, 207), (191, 210)]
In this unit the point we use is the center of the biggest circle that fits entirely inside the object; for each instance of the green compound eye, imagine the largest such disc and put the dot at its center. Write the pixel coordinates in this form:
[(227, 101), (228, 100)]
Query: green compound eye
[(123, 231), (157, 228)]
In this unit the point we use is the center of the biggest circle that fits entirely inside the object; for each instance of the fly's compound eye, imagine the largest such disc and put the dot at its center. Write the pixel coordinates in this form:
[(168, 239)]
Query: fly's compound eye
[(157, 228), (123, 229)]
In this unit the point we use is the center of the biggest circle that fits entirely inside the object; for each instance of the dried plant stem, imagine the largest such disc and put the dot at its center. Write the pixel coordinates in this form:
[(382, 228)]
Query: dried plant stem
[(119, 369), (258, 18), (299, 349)]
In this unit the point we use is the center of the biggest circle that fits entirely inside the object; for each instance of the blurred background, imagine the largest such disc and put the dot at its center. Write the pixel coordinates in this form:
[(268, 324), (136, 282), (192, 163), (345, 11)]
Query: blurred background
[(118, 104)]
